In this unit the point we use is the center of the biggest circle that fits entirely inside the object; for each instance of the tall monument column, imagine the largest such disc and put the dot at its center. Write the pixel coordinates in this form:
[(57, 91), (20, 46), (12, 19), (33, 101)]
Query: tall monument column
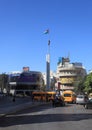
[(48, 68)]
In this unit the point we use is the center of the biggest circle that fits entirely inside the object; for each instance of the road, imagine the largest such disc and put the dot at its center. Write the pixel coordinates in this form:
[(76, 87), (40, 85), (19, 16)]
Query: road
[(70, 117)]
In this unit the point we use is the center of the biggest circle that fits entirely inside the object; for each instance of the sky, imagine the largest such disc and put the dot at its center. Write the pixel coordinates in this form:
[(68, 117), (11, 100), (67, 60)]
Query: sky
[(22, 39)]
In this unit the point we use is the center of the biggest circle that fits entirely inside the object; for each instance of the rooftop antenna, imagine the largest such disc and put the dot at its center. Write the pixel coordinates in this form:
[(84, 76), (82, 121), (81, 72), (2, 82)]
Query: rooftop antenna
[(69, 55)]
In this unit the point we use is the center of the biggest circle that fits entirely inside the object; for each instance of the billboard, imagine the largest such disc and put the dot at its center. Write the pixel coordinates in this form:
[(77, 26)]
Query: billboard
[(25, 77)]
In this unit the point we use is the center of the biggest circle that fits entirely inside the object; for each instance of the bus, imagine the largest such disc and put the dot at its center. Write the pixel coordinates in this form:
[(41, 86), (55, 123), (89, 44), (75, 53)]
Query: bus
[(43, 95), (69, 96), (39, 96), (51, 95)]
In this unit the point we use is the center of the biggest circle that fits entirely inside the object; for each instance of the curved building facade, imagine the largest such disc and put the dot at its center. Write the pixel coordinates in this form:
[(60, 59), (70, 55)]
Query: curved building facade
[(69, 73)]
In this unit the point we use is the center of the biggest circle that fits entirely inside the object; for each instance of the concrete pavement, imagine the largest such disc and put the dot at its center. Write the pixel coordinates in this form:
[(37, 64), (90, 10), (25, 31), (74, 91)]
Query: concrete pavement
[(7, 106)]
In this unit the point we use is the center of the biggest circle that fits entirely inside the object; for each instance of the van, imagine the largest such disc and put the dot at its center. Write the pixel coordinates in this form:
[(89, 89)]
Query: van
[(43, 95), (69, 96)]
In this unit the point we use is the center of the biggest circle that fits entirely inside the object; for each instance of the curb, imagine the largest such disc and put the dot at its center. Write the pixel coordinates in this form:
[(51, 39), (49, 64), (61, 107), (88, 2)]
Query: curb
[(17, 108)]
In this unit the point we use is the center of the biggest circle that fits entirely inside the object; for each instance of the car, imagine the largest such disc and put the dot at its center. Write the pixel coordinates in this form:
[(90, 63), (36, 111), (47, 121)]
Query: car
[(88, 104), (81, 99)]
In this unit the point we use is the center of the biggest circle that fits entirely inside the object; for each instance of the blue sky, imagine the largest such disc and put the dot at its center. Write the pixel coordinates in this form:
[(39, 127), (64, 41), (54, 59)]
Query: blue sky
[(22, 42)]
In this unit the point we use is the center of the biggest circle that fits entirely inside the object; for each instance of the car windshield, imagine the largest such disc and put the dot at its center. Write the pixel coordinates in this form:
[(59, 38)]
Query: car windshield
[(80, 96), (90, 100), (67, 95)]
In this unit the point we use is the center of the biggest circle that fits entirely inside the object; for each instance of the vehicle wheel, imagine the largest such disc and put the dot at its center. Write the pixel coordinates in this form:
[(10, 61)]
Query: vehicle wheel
[(73, 102), (63, 103), (86, 107)]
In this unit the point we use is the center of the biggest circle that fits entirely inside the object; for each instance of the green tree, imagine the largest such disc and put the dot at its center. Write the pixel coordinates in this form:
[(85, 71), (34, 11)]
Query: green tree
[(79, 85), (3, 81), (88, 83)]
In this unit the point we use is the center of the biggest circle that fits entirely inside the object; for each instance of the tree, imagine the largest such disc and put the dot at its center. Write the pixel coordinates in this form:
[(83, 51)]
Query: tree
[(79, 85), (88, 83), (3, 81)]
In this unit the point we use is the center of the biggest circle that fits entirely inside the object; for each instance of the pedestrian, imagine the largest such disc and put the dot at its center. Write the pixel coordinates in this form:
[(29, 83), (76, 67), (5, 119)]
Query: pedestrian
[(14, 97)]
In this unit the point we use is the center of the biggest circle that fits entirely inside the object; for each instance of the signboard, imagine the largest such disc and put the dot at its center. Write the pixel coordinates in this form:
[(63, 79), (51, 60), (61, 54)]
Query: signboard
[(27, 77)]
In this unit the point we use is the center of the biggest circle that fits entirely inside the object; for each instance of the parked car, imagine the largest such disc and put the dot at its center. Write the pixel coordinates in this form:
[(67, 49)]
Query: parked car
[(81, 99), (88, 104)]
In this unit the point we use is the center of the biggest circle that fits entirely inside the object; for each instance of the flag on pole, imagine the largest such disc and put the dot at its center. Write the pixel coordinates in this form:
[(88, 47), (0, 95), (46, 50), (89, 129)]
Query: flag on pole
[(46, 31)]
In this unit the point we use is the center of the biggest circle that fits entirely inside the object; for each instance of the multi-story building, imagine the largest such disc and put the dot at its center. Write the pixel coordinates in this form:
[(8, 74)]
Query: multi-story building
[(26, 81), (68, 74), (52, 79)]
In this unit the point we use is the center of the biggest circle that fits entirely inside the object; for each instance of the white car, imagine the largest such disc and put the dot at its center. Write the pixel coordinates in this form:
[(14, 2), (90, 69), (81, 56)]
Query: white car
[(81, 99)]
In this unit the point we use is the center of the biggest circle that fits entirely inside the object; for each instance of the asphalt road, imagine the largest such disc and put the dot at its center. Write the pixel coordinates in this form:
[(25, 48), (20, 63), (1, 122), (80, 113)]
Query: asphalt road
[(70, 117)]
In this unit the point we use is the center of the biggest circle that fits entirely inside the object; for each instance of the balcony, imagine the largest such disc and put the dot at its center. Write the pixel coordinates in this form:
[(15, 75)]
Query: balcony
[(66, 74)]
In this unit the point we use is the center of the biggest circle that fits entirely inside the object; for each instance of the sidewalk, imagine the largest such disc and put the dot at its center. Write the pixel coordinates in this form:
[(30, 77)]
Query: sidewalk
[(7, 105)]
